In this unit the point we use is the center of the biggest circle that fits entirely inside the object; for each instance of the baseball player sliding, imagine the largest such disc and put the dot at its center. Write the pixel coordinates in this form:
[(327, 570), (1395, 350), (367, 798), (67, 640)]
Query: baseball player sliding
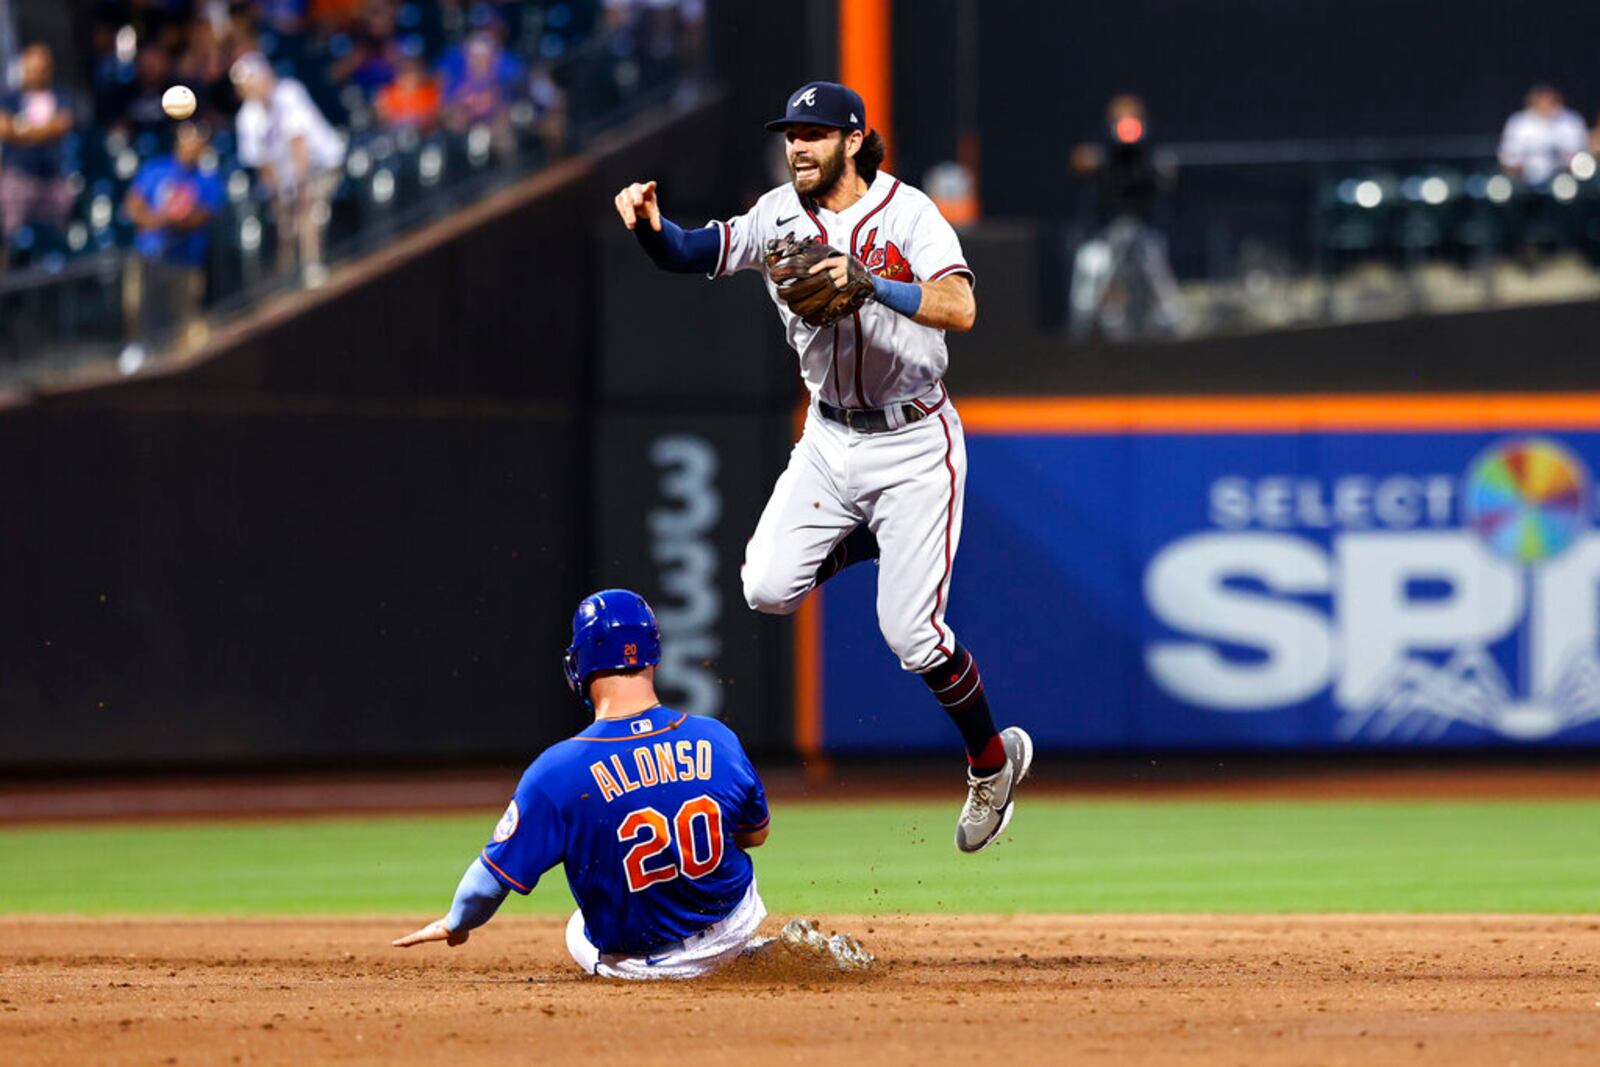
[(653, 813), (866, 276)]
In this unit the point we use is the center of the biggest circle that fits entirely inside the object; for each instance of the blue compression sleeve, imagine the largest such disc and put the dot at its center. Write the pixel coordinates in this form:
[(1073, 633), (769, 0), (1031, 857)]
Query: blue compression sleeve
[(679, 250), (904, 297), (477, 898)]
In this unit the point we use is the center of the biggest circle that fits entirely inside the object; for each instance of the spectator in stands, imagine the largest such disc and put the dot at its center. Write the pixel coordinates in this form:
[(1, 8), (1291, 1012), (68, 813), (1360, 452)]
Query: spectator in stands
[(214, 45), (511, 17), (284, 18), (1540, 140), (172, 202), (1121, 281), (296, 155), (1594, 139), (34, 123), (332, 16), (370, 63), (412, 100), (479, 97), (549, 110), (662, 36), (138, 111), (111, 71), (508, 70), (9, 41)]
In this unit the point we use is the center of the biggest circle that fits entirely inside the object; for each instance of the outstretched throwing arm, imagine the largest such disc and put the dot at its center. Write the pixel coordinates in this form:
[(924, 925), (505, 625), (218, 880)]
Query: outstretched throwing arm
[(477, 898), (664, 241)]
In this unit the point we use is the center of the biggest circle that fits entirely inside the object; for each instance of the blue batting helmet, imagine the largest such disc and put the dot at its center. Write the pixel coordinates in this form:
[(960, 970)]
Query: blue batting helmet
[(612, 630)]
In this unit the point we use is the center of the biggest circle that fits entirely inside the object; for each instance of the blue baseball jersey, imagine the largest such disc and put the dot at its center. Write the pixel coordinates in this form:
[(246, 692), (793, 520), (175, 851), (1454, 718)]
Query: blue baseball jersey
[(164, 182), (642, 813)]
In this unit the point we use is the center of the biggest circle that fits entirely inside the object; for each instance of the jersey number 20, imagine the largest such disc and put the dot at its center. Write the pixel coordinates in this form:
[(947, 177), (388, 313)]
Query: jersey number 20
[(655, 835)]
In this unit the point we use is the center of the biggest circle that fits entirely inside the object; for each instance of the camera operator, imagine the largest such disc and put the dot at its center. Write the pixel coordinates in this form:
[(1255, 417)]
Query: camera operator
[(1122, 284)]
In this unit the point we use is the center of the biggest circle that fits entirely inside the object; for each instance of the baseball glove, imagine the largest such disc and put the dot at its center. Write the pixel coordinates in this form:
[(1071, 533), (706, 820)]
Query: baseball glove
[(814, 297)]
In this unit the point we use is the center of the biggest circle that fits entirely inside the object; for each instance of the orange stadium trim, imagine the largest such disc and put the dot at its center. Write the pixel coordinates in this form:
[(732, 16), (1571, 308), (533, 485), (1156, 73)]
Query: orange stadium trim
[(1383, 412), (865, 58)]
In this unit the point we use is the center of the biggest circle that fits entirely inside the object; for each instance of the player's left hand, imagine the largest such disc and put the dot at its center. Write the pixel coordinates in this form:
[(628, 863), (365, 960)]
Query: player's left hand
[(840, 269), (434, 931)]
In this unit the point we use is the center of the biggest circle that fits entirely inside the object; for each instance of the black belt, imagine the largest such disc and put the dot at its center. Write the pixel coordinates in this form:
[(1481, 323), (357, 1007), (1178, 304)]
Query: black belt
[(870, 420)]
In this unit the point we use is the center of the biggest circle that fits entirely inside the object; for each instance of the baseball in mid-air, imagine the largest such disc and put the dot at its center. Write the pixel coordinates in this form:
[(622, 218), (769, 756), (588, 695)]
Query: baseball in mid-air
[(178, 102)]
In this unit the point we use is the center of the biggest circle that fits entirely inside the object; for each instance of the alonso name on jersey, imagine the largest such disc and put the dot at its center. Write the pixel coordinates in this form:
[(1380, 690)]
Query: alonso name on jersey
[(657, 764)]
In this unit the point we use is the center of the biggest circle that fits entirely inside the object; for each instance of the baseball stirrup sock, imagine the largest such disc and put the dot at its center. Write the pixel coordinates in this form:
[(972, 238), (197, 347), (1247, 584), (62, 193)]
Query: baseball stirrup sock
[(958, 686), (858, 546)]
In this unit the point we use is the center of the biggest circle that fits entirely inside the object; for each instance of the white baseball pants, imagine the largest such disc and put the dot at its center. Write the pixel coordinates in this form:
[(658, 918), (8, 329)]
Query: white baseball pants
[(907, 485), (717, 945)]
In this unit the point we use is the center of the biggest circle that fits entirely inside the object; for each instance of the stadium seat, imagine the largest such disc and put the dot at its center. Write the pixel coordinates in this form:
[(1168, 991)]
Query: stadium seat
[(1433, 204), (1357, 218)]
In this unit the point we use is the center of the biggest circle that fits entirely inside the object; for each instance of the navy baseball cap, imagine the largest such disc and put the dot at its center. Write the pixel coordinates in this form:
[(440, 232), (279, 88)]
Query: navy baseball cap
[(824, 104)]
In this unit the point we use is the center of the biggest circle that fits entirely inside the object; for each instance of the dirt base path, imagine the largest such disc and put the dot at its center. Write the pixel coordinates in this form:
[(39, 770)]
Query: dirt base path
[(1112, 990)]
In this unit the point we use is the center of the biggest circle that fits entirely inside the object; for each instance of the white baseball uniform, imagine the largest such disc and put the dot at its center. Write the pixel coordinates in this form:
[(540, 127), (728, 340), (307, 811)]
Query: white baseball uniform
[(905, 483), (695, 957)]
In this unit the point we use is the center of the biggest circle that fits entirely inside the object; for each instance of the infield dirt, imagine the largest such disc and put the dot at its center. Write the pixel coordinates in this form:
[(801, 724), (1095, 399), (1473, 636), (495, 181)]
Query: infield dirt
[(1147, 989)]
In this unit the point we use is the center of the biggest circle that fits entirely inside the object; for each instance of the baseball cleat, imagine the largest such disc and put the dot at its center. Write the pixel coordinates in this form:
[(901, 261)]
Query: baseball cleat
[(989, 799), (806, 936)]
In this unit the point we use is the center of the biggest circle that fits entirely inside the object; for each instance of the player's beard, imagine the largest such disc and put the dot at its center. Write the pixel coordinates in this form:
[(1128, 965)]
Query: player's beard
[(830, 169)]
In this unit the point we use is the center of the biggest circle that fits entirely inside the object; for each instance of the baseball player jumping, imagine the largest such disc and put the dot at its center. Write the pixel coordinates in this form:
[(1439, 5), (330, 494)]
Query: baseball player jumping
[(652, 812), (866, 276)]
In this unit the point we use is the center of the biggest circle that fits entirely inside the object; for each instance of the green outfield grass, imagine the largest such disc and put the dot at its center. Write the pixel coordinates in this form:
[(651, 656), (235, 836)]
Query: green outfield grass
[(1061, 856)]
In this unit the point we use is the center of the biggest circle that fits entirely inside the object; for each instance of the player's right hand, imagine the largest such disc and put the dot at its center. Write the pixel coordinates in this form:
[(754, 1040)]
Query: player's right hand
[(638, 201), (434, 931)]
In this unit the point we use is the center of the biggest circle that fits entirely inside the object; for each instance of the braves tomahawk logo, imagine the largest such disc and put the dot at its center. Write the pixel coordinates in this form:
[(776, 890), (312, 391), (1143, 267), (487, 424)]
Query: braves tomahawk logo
[(886, 262)]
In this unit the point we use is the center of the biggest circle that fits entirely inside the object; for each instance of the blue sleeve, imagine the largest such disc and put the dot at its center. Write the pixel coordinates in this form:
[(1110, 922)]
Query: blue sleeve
[(477, 898), (754, 815), (146, 180), (678, 250), (751, 812), (529, 839)]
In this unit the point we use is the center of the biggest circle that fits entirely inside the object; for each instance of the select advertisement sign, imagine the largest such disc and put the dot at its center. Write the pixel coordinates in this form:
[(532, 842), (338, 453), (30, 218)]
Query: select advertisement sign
[(1258, 573)]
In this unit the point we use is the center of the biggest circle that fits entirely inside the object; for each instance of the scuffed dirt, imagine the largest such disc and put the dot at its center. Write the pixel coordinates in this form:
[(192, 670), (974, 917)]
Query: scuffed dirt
[(1204, 990)]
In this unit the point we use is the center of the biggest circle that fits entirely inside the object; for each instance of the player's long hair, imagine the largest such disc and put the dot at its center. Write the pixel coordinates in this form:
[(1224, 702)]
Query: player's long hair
[(869, 157)]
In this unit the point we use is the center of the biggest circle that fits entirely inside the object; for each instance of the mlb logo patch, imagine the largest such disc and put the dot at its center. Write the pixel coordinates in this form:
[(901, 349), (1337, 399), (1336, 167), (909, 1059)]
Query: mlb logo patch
[(641, 726)]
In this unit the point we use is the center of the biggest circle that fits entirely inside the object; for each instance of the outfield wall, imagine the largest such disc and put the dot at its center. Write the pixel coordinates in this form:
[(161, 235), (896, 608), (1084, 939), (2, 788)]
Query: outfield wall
[(355, 532), (1256, 572), (351, 530)]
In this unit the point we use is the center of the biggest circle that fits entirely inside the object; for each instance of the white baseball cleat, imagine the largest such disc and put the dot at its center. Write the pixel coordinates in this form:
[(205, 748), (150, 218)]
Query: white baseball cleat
[(989, 800), (806, 936)]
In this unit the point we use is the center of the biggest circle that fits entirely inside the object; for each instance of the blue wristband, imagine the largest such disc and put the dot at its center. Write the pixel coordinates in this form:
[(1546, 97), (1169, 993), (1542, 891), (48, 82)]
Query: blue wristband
[(904, 297)]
